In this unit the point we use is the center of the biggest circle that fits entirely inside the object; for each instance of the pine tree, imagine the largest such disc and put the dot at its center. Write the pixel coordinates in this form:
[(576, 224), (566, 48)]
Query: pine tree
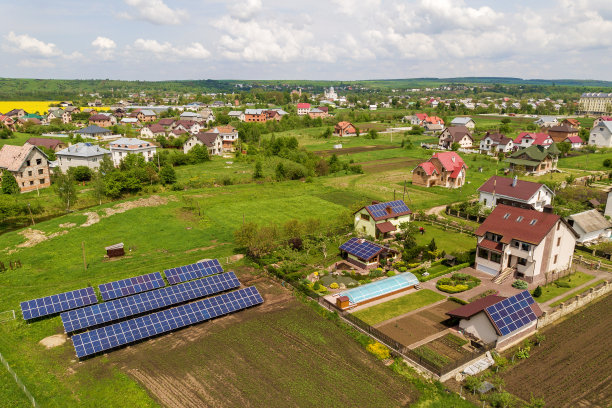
[(258, 173), (167, 175)]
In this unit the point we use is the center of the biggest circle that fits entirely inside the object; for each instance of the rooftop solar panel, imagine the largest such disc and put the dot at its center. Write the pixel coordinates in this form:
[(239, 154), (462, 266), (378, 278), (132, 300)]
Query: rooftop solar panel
[(118, 334), (49, 305), (361, 248), (145, 302), (193, 271), (380, 210), (512, 313), (129, 286)]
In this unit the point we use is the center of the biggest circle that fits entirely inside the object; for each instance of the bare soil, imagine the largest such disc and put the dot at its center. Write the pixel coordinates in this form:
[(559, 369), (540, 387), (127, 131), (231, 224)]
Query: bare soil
[(67, 225), (377, 166), (53, 341), (355, 149), (573, 366), (152, 201)]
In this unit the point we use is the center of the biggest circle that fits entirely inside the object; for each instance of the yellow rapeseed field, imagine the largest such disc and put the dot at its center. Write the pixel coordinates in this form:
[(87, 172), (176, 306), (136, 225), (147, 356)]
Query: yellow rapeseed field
[(33, 106)]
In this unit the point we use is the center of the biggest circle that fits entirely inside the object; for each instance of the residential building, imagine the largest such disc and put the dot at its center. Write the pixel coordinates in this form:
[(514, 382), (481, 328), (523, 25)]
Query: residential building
[(187, 125), (303, 109), (434, 120), (364, 254), (535, 160), (379, 220), (192, 116), (417, 119), (129, 121), (147, 116), (60, 114), (53, 144), (28, 164), (575, 141), (546, 121), (561, 132), (523, 243), (81, 154), (571, 122), (255, 115), (236, 115), (152, 131), (229, 137), (7, 121), (495, 142), (601, 135), (590, 226), (317, 113), (16, 113), (455, 134), (345, 129), (600, 119), (445, 169), (464, 121), (514, 192), (595, 103), (213, 141), (166, 122), (120, 148), (93, 132), (526, 139), (101, 120)]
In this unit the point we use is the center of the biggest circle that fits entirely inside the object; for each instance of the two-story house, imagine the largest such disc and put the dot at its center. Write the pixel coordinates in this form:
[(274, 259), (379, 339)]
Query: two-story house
[(514, 192), (496, 142), (546, 121), (536, 160), (28, 164), (80, 154), (381, 219), (526, 139), (601, 134), (561, 132), (303, 109), (455, 134), (524, 243), (120, 148), (464, 121), (445, 169), (344, 129), (229, 137), (152, 131), (213, 141), (237, 115), (255, 115), (101, 120)]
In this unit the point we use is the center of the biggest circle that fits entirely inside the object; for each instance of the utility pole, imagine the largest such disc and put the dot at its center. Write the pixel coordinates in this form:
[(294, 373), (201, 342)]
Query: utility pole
[(84, 260), (31, 216)]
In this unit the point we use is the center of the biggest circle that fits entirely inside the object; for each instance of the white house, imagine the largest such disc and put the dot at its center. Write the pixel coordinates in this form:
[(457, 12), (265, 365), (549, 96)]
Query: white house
[(546, 121), (525, 244), (152, 131), (515, 192), (213, 141), (464, 121), (496, 142), (601, 135), (303, 108), (120, 148), (229, 137), (456, 134), (187, 126), (236, 115), (526, 139), (80, 154), (590, 226), (575, 141), (381, 219), (192, 116)]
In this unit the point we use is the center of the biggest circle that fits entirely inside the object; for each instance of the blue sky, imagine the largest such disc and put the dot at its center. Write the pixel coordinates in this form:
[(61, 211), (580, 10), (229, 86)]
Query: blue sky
[(315, 39)]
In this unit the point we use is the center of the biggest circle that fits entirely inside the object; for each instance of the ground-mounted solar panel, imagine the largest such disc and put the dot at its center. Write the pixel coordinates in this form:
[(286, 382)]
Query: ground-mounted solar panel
[(119, 334), (148, 301), (512, 313), (380, 210), (130, 286), (61, 302), (193, 271), (360, 248)]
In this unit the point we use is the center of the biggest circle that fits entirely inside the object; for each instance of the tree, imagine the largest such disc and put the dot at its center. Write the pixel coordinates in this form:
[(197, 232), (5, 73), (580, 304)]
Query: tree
[(432, 245), (9, 184), (564, 148), (280, 172), (327, 133), (199, 154), (167, 175), (98, 187), (372, 134), (106, 165), (80, 173), (258, 172), (65, 188), (537, 292), (455, 146)]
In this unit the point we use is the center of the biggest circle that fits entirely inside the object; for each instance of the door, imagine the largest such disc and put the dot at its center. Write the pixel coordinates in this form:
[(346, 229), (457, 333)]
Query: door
[(509, 260)]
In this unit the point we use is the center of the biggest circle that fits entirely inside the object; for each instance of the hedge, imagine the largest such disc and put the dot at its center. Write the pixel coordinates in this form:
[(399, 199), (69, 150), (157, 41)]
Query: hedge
[(457, 300), (443, 272), (453, 289)]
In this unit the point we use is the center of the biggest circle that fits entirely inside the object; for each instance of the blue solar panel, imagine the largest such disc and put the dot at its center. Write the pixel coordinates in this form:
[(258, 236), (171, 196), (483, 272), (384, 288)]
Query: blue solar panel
[(118, 334), (512, 313), (32, 309), (145, 302), (129, 286), (193, 271), (361, 248), (380, 210)]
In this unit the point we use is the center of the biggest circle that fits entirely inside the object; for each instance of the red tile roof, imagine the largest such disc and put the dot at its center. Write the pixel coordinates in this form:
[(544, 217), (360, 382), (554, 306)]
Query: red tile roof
[(538, 138), (498, 138), (523, 190), (492, 245), (574, 139), (157, 128), (385, 227), (605, 118), (428, 167), (48, 143), (476, 306), (421, 116), (451, 161), (436, 120), (517, 223), (303, 106), (166, 122), (95, 118)]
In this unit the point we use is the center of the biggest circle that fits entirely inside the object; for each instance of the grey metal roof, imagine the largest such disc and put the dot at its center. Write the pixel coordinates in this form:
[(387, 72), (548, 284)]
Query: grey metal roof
[(148, 112), (83, 150), (590, 221), (92, 130), (253, 111), (461, 121)]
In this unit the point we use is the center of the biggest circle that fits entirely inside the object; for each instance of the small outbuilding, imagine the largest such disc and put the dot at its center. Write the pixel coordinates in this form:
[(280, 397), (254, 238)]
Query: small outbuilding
[(590, 226), (115, 250)]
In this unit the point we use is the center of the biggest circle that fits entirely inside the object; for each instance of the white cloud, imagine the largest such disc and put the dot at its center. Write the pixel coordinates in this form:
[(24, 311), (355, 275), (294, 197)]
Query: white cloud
[(244, 9), (194, 50), (28, 63), (154, 11), (105, 47), (25, 44)]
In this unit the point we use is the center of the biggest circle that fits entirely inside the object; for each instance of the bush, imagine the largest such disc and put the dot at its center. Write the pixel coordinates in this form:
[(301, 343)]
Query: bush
[(519, 284), (537, 292), (561, 284), (81, 173), (379, 350), (607, 163), (391, 273), (402, 269), (452, 289), (316, 286), (334, 285), (457, 300)]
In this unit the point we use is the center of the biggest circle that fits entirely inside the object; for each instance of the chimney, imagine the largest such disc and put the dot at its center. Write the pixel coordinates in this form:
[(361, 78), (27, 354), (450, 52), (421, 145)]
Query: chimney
[(548, 209), (389, 210), (375, 202), (514, 180)]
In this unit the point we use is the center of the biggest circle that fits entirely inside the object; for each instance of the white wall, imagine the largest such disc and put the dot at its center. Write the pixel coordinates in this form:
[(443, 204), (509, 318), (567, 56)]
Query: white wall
[(480, 326)]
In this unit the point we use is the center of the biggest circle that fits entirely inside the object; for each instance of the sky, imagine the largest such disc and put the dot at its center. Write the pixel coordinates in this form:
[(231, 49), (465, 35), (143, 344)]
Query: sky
[(314, 39)]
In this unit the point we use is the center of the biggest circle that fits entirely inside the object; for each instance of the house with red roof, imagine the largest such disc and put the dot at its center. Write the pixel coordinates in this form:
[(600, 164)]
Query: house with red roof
[(603, 118), (445, 169), (526, 139), (417, 119), (152, 131), (303, 109), (212, 140), (101, 120), (381, 220), (52, 144), (575, 123), (7, 121), (456, 134), (523, 243), (344, 129), (515, 192), (575, 141)]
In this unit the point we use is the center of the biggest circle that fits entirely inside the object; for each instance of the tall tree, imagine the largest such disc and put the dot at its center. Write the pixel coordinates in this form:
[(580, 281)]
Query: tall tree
[(9, 184), (65, 189), (167, 175)]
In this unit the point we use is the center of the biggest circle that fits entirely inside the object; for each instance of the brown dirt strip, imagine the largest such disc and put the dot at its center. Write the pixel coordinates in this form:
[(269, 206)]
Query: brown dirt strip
[(352, 150)]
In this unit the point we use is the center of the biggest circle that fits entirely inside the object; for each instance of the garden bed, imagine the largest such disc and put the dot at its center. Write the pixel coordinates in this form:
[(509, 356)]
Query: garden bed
[(459, 282)]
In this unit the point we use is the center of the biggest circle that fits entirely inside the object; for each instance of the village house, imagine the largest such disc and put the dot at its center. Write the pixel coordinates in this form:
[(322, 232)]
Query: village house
[(207, 115), (192, 116), (52, 144), (237, 115), (93, 132), (255, 115), (379, 220), (80, 154), (445, 169), (561, 132), (187, 126), (495, 142), (524, 244), (303, 109), (514, 192), (455, 134), (16, 113), (601, 135), (416, 119), (213, 141), (317, 113), (575, 123), (28, 164), (535, 160), (272, 115), (364, 254), (526, 139), (7, 121), (600, 119), (147, 115), (434, 120), (178, 132), (120, 148), (464, 121), (546, 121), (229, 137), (590, 226), (345, 129), (152, 131), (60, 114), (575, 141), (129, 122), (101, 120), (166, 122)]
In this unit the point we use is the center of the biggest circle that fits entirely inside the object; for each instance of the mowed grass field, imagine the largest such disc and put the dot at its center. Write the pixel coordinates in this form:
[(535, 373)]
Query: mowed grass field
[(397, 307)]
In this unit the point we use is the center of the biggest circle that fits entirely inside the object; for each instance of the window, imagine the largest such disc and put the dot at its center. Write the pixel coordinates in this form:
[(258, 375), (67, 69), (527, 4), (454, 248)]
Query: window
[(38, 161), (40, 171), (31, 182), (555, 259), (27, 163), (533, 222), (558, 226), (521, 261), (525, 247), (506, 216), (495, 257), (519, 218), (558, 241), (29, 172), (42, 181), (483, 253)]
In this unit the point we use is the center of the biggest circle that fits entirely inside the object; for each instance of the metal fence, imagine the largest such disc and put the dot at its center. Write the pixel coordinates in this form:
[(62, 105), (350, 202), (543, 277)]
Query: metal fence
[(18, 381)]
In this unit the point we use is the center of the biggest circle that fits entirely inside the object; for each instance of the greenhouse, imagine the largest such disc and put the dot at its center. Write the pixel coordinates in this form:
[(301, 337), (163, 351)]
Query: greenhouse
[(381, 288)]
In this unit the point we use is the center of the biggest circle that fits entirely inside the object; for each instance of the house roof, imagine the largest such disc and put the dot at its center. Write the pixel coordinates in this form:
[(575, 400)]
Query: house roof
[(547, 119), (518, 223), (573, 122), (254, 111), (421, 116), (166, 122), (428, 167), (461, 120), (156, 128), (476, 306), (492, 245), (344, 124), (92, 130), (390, 209), (190, 114), (498, 138), (605, 118), (313, 110), (385, 227), (225, 129), (208, 138), (82, 150), (99, 116), (563, 129), (303, 106), (234, 113), (538, 138), (435, 120), (129, 120), (458, 132), (130, 143), (186, 123), (12, 157), (48, 143), (574, 139), (535, 153), (148, 112), (606, 123), (523, 190), (590, 221), (451, 161)]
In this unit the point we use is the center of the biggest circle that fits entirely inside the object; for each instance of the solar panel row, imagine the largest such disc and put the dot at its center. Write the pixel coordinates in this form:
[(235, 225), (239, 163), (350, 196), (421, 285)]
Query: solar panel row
[(360, 248), (32, 309), (512, 313), (129, 286), (144, 302), (132, 330), (193, 271), (380, 210)]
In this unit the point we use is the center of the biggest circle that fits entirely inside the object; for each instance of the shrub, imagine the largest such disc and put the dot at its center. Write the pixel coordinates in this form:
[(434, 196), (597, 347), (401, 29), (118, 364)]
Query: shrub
[(457, 300), (523, 353), (316, 286), (81, 173), (390, 273), (379, 350), (334, 285), (561, 284), (607, 163), (472, 383), (537, 292), (452, 289), (519, 284)]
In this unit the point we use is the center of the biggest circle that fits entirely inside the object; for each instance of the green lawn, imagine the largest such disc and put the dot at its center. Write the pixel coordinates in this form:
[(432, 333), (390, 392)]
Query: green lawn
[(580, 292), (587, 161), (449, 240), (399, 306), (551, 290)]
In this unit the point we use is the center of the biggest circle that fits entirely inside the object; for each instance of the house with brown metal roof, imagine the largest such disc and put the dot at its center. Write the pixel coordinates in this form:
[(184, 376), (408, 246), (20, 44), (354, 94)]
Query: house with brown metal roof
[(561, 132), (455, 134), (213, 141), (152, 131), (344, 129), (28, 164), (523, 243), (381, 220), (53, 144), (445, 169), (101, 120), (514, 192)]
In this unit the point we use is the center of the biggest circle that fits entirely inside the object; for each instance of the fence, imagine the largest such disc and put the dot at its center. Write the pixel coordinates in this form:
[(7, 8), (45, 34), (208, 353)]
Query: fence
[(6, 316), (446, 224), (18, 381)]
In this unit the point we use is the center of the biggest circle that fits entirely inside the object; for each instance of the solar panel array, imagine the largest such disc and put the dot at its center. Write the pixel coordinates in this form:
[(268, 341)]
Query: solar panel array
[(360, 248), (32, 309), (380, 210), (193, 271), (148, 301), (132, 330), (129, 286), (512, 313)]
